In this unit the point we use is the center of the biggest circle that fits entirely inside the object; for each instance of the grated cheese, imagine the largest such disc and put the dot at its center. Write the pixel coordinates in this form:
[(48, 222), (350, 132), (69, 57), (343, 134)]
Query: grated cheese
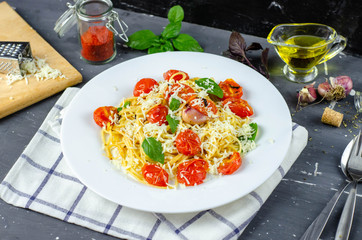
[(37, 68)]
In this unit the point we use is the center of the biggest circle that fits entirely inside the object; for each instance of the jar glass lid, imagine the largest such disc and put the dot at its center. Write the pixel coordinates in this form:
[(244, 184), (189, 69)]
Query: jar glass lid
[(94, 8), (66, 21)]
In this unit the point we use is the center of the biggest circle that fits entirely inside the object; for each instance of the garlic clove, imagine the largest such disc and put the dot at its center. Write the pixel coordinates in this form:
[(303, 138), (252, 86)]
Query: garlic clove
[(192, 116), (307, 95)]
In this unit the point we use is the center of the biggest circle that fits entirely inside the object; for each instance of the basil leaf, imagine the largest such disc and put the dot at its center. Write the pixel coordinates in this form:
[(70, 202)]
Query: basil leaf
[(254, 126), (173, 123), (254, 46), (155, 49), (126, 104), (174, 104), (176, 14), (153, 149), (263, 68), (237, 44), (146, 39), (157, 42), (167, 46), (141, 40), (210, 86), (185, 42), (163, 47), (171, 30)]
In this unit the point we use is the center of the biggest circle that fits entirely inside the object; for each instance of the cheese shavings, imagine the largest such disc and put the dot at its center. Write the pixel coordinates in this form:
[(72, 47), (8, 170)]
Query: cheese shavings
[(37, 68)]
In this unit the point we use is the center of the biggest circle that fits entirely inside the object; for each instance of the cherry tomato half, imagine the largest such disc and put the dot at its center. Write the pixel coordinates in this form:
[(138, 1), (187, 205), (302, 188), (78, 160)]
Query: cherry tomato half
[(158, 114), (188, 143), (203, 105), (239, 106), (155, 175), (231, 88), (230, 164), (192, 172), (103, 115), (145, 85), (183, 91), (167, 75)]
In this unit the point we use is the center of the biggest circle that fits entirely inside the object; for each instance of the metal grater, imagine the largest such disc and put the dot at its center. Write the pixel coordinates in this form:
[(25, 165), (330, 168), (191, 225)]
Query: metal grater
[(12, 54)]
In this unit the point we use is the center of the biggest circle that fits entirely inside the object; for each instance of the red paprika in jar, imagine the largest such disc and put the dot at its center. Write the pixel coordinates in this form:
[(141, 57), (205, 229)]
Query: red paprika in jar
[(96, 29), (97, 44)]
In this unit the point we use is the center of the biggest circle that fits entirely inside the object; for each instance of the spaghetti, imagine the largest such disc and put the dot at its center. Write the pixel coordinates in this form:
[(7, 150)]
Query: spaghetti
[(176, 131)]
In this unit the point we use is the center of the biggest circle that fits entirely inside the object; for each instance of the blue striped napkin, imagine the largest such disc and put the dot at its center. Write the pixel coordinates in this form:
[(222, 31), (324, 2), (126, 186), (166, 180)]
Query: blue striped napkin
[(41, 181)]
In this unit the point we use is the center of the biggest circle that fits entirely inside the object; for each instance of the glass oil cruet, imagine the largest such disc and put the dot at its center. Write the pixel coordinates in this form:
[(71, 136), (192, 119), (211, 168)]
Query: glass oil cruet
[(302, 46), (96, 31)]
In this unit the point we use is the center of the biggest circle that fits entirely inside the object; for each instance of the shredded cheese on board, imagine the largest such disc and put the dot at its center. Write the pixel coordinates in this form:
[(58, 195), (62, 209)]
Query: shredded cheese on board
[(37, 68)]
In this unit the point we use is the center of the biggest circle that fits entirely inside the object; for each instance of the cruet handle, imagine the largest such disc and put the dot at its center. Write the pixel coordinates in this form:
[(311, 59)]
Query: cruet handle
[(338, 45)]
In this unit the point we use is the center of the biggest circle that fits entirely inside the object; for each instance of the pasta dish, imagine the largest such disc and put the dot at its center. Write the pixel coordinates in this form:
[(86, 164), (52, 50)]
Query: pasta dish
[(178, 131)]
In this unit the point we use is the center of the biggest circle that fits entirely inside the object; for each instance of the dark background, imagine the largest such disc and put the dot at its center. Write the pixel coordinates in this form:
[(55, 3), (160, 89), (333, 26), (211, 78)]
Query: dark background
[(258, 17)]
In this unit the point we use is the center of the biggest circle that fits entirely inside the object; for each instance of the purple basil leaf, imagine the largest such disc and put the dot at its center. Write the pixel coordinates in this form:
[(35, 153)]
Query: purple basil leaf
[(237, 51), (261, 70), (228, 54), (264, 62), (249, 63), (237, 44), (264, 57), (254, 46)]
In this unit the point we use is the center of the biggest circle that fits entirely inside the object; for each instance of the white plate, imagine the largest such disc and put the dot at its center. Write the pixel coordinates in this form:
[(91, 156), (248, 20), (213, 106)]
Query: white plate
[(81, 142)]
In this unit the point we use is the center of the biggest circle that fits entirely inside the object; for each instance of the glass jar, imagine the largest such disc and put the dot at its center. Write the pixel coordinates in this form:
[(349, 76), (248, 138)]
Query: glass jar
[(96, 32)]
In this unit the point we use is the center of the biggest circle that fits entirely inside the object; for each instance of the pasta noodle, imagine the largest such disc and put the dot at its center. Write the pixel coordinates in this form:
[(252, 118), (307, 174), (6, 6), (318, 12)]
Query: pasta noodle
[(221, 135)]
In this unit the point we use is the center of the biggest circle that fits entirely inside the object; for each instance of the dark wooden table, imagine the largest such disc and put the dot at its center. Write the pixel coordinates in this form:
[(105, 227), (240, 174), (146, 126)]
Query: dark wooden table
[(293, 205)]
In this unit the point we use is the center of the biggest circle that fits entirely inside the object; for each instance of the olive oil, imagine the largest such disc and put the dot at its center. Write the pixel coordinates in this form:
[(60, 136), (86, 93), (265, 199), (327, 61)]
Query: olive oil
[(303, 52)]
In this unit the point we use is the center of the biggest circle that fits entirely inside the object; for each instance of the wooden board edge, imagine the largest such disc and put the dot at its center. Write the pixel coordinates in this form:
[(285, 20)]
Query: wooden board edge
[(17, 106)]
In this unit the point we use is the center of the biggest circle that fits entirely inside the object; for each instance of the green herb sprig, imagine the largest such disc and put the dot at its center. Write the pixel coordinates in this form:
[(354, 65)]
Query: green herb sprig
[(253, 126), (125, 105), (210, 86), (170, 38), (153, 149), (172, 122), (175, 104)]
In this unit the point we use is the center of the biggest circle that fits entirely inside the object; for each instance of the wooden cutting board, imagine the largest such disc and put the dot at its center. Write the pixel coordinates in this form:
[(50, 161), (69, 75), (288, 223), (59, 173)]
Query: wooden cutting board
[(19, 95)]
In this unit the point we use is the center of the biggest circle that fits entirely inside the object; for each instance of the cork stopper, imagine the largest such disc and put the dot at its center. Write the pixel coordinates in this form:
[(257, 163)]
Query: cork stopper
[(332, 117)]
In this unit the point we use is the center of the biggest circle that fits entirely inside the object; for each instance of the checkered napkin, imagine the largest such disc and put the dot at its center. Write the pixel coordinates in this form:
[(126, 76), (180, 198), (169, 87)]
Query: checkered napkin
[(41, 180)]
